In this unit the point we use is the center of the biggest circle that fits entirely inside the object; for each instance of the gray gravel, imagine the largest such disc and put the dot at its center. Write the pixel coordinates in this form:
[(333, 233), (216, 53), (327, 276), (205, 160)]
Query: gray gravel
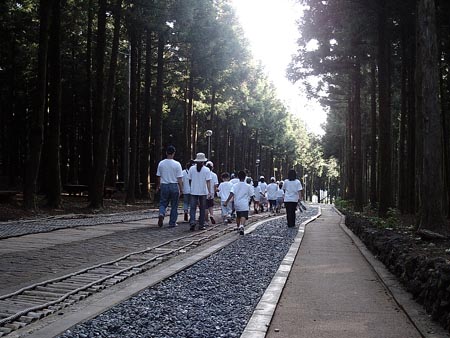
[(214, 298)]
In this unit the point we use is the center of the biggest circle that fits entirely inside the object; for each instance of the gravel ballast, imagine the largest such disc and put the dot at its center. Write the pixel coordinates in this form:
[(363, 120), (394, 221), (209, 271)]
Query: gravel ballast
[(213, 298)]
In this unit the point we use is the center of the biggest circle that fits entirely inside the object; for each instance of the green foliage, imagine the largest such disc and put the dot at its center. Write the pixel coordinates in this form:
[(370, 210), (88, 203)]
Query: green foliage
[(345, 205)]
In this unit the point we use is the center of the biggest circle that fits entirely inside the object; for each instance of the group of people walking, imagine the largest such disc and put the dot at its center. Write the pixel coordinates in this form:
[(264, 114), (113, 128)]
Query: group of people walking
[(199, 184)]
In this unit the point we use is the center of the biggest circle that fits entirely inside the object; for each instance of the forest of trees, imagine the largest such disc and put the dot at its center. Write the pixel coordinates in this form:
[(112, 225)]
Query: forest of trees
[(92, 91), (384, 69)]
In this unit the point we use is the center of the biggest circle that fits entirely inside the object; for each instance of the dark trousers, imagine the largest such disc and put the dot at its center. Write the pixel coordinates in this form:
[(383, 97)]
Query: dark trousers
[(201, 201), (290, 213)]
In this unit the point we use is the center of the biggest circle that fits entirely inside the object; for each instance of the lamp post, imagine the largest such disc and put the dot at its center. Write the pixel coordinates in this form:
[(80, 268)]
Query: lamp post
[(208, 135), (257, 168), (304, 181)]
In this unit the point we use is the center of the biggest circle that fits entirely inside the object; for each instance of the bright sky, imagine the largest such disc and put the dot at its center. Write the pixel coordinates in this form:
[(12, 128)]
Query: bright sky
[(270, 26)]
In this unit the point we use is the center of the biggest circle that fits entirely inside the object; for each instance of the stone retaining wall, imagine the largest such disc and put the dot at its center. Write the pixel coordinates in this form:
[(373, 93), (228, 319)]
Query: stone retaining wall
[(426, 276)]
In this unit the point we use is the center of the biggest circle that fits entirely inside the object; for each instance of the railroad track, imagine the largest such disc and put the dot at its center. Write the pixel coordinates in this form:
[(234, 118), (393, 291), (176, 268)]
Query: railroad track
[(36, 301)]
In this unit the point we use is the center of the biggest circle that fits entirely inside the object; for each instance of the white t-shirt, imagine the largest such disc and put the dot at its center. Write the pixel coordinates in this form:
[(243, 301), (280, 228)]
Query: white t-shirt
[(234, 180), (257, 192), (272, 189), (186, 185), (263, 187), (214, 179), (169, 171), (199, 180), (224, 190), (241, 193), (280, 193), (291, 189)]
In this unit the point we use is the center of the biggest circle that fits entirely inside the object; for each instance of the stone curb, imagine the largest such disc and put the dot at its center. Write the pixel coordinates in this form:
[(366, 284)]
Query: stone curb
[(414, 311), (262, 316)]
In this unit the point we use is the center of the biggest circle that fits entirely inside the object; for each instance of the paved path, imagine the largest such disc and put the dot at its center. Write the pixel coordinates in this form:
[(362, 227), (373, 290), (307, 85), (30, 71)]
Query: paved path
[(332, 291)]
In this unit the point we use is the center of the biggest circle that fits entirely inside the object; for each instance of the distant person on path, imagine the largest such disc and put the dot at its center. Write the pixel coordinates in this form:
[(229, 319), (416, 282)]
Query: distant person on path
[(263, 197), (201, 189), (224, 190), (292, 194), (257, 197), (209, 214), (272, 189), (170, 184), (280, 197), (186, 191), (241, 193)]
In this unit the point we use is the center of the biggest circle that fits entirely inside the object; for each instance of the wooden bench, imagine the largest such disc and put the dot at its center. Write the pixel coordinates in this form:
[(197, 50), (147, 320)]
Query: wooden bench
[(108, 192), (76, 189), (7, 196), (120, 186)]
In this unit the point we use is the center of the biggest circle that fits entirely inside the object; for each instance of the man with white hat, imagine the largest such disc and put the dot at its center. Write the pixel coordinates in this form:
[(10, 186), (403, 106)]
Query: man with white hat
[(201, 189)]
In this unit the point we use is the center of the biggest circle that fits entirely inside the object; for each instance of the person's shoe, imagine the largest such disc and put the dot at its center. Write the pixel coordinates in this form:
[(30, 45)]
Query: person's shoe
[(186, 217), (213, 221), (173, 225), (160, 220), (241, 230), (192, 227), (201, 227)]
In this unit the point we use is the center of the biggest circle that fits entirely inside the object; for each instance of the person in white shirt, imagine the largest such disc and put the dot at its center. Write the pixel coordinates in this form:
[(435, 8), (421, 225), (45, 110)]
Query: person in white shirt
[(272, 189), (280, 197), (234, 179), (209, 212), (257, 196), (292, 194), (240, 193), (186, 191), (263, 196), (249, 181), (224, 190), (170, 184), (201, 189)]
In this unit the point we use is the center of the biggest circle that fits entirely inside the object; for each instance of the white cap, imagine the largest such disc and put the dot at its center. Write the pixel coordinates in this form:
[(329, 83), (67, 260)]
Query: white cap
[(272, 178), (261, 177), (210, 164)]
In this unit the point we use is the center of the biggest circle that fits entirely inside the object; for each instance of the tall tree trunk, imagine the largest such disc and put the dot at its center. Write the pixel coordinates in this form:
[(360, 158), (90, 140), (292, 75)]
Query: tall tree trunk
[(349, 192), (156, 128), (109, 99), (96, 191), (131, 197), (411, 149), (385, 153), (373, 136), (358, 161), (190, 119), (53, 165), (37, 122), (402, 159), (87, 137), (145, 128), (432, 211)]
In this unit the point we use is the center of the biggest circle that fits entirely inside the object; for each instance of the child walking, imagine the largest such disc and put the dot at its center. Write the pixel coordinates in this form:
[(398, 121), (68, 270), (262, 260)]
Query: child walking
[(241, 193), (280, 197), (257, 196), (224, 191)]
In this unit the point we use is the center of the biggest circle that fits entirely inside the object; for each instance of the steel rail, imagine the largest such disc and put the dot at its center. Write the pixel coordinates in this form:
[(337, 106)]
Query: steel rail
[(99, 281)]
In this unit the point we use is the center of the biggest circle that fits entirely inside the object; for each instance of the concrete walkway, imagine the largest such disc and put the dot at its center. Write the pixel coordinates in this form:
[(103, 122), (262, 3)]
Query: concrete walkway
[(333, 292)]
